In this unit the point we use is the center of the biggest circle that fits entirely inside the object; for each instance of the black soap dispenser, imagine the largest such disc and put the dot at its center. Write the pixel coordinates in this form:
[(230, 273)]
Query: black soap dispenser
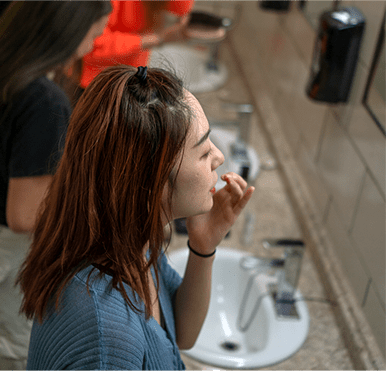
[(335, 55), (276, 5)]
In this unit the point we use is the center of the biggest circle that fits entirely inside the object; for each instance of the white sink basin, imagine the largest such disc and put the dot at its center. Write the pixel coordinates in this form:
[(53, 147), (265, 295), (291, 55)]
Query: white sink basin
[(267, 341)]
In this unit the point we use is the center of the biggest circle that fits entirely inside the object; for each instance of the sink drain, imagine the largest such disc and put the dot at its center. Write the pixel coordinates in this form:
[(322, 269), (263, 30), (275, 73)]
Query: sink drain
[(230, 346)]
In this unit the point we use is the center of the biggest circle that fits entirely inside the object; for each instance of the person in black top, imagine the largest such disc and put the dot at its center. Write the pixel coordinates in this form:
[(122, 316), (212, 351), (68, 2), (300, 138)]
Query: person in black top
[(3, 6), (39, 43)]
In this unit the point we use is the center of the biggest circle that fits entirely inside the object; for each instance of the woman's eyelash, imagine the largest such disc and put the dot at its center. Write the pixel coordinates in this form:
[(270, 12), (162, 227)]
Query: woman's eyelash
[(207, 153)]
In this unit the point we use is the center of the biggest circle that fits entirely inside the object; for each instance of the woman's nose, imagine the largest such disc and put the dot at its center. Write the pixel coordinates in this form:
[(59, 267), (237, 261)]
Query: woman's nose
[(218, 158)]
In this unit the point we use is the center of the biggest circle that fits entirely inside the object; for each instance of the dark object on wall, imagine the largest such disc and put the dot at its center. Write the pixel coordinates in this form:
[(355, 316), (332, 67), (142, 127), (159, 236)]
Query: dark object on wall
[(3, 6), (277, 5), (335, 55), (301, 4)]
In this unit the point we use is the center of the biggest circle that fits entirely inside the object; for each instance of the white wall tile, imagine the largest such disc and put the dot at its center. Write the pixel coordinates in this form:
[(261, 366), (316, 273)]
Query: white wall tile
[(291, 131), (302, 32), (375, 312), (255, 39), (340, 168), (369, 234), (313, 10), (371, 143), (308, 115), (358, 85), (347, 254), (345, 111), (373, 11), (316, 186), (284, 64)]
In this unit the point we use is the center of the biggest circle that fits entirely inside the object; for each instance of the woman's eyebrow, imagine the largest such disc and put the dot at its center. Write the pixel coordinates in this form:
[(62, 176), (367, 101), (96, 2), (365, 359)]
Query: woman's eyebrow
[(203, 138)]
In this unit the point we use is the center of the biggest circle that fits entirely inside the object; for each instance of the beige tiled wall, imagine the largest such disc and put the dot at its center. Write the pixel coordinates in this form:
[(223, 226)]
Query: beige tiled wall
[(339, 148), (376, 315), (341, 168), (369, 221), (370, 145), (353, 265), (373, 12)]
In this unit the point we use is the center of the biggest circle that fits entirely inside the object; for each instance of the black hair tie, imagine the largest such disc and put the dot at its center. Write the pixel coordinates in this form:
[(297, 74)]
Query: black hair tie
[(141, 73), (198, 254)]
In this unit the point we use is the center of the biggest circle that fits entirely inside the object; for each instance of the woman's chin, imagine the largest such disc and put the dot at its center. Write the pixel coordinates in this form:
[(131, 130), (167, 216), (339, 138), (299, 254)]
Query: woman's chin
[(201, 211), (205, 209)]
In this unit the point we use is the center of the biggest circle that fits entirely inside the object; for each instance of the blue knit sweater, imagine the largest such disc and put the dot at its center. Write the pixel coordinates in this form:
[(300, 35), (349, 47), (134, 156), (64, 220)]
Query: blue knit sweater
[(100, 331)]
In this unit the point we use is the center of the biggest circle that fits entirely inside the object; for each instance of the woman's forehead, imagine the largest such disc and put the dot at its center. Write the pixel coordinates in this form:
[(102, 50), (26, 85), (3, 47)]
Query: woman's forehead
[(199, 119)]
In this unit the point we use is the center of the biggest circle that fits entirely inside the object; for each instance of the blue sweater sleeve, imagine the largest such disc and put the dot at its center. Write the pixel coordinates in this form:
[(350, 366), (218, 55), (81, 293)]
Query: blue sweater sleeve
[(92, 332), (101, 332), (67, 336)]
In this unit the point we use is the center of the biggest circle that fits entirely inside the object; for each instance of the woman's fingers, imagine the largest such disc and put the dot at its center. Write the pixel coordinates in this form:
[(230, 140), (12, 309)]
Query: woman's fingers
[(237, 178), (243, 201), (235, 190), (235, 186)]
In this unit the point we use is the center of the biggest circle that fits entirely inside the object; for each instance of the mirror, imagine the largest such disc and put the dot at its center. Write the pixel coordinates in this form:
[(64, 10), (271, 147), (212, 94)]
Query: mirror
[(375, 93)]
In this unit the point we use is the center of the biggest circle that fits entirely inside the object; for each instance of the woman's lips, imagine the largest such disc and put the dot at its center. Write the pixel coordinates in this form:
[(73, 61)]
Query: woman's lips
[(213, 190)]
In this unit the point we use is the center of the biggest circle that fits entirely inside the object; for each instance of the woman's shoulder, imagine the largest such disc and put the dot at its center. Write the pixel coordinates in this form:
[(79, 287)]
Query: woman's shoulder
[(45, 89), (98, 287), (90, 323), (108, 302), (91, 296), (117, 322), (42, 97)]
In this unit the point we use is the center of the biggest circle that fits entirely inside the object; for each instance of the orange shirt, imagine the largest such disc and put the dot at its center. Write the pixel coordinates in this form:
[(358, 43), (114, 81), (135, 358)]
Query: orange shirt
[(120, 42)]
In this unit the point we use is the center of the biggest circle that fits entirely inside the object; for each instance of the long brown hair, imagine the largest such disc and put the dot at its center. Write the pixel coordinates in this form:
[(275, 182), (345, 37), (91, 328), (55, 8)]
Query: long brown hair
[(40, 36), (125, 139)]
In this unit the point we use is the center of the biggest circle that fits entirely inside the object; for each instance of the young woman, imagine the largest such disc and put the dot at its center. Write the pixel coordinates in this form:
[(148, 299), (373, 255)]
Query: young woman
[(133, 29), (38, 41), (96, 280)]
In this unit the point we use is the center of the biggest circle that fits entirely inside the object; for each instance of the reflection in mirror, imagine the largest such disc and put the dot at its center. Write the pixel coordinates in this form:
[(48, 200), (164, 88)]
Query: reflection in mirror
[(375, 93)]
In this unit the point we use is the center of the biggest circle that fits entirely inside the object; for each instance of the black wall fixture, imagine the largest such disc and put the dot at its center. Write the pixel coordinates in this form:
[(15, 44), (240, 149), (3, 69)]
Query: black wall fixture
[(3, 6), (335, 55), (279, 5)]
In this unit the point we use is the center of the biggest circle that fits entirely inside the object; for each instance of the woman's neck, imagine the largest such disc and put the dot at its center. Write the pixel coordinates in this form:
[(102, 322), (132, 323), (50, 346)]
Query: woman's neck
[(145, 249)]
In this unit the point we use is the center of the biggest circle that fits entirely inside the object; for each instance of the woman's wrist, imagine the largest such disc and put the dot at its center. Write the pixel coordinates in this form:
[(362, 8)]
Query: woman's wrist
[(200, 254)]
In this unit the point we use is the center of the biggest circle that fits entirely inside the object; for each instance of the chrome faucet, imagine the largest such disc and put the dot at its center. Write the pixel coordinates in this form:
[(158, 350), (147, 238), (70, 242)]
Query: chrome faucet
[(282, 288), (238, 148), (289, 274), (244, 111)]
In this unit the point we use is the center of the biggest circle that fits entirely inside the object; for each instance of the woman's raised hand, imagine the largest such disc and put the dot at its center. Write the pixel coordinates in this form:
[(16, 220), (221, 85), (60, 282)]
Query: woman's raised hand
[(207, 230)]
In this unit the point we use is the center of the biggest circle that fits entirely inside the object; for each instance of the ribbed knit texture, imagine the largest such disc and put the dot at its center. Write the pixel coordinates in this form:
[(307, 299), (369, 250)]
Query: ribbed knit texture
[(100, 331)]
